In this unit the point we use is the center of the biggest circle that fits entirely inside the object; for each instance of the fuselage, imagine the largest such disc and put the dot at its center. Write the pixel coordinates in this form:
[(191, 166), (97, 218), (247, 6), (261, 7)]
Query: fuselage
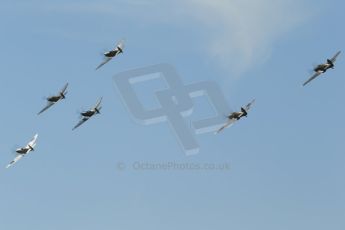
[(322, 68), (111, 53), (236, 115), (114, 52), (54, 98), (23, 150), (57, 98), (88, 113)]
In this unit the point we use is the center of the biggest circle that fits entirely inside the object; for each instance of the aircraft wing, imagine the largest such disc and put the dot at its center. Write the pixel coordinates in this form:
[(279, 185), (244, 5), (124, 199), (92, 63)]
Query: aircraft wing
[(227, 124), (64, 89), (104, 62), (333, 59), (32, 143), (15, 160), (98, 103), (49, 104), (249, 105), (312, 77), (81, 122)]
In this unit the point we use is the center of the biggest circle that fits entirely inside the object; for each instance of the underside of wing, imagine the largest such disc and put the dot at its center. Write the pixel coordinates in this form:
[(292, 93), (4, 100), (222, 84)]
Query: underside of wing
[(104, 62), (333, 59), (98, 103), (249, 105), (312, 77), (64, 88), (227, 124), (80, 122), (15, 160), (49, 104), (32, 143)]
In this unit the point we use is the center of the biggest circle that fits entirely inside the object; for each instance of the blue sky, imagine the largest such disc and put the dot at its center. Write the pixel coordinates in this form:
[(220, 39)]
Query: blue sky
[(286, 158)]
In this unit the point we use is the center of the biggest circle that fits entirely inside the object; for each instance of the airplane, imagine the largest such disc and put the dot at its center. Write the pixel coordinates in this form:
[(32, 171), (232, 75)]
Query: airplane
[(21, 152), (53, 99), (86, 115), (111, 54), (235, 116), (322, 68)]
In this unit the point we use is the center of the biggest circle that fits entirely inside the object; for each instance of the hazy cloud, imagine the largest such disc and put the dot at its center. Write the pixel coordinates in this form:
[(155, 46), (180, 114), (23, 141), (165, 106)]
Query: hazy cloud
[(236, 33), (244, 31)]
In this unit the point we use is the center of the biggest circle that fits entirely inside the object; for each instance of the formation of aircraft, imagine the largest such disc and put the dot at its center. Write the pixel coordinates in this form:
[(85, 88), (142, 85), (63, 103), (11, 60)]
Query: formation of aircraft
[(21, 152), (322, 68), (86, 115), (53, 99), (111, 54), (235, 116)]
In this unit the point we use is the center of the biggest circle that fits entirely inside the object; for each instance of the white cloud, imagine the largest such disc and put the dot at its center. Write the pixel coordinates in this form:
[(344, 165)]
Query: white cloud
[(243, 32), (237, 33)]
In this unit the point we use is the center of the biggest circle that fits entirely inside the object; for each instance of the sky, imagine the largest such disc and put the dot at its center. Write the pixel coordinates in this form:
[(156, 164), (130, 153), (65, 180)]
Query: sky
[(282, 167)]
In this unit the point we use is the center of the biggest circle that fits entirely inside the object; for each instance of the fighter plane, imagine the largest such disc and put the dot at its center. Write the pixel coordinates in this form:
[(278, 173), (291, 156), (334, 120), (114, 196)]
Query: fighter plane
[(53, 99), (21, 152), (235, 116), (86, 115), (111, 54), (322, 68)]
